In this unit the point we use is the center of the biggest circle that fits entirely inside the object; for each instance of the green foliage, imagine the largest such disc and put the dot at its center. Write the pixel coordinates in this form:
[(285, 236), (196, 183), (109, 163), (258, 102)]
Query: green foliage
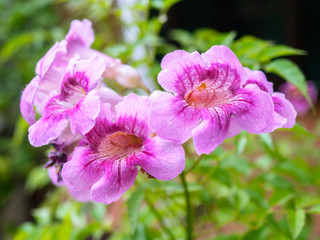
[(296, 220), (290, 72)]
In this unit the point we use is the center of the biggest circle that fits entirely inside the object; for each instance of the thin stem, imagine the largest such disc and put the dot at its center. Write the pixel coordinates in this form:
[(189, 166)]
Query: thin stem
[(160, 219), (195, 163), (189, 226)]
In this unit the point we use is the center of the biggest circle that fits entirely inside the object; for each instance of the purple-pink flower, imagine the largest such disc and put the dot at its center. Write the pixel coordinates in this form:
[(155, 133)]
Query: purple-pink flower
[(210, 102), (106, 163), (297, 99), (51, 68), (77, 103)]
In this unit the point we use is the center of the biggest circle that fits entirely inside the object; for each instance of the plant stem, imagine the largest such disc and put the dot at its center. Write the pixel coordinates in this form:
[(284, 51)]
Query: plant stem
[(195, 163), (159, 217), (189, 226)]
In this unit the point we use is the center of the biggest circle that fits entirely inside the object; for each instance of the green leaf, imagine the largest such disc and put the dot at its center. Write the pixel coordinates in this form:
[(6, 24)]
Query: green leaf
[(134, 206), (315, 209), (37, 178), (65, 229), (280, 197), (184, 38), (291, 73), (296, 220), (42, 215), (267, 140), (278, 51), (306, 200), (241, 142), (249, 46), (298, 129), (242, 199), (169, 3)]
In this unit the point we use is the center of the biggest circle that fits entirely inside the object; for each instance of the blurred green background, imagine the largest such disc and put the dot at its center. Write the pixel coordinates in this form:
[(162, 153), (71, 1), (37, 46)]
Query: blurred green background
[(252, 187)]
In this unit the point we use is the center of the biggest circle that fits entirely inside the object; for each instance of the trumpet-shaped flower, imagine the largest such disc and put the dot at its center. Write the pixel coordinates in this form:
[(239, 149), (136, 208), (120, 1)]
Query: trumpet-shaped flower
[(297, 99), (51, 68), (209, 101), (77, 104), (120, 142)]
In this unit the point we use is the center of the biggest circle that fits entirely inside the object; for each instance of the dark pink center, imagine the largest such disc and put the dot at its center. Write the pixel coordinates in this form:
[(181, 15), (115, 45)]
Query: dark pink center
[(119, 145), (201, 95)]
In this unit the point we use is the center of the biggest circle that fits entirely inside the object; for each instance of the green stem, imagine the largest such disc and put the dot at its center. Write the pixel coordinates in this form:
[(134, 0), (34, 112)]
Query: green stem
[(195, 163), (160, 219), (189, 226)]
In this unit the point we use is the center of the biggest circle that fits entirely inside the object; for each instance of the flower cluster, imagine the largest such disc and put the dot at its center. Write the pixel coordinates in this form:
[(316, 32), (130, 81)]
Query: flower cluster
[(101, 139)]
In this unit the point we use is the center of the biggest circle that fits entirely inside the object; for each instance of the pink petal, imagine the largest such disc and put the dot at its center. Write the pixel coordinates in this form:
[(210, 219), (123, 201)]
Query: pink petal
[(253, 109), (107, 95), (211, 131), (83, 170), (80, 196), (181, 71), (224, 56), (234, 128), (92, 69), (132, 115), (284, 108), (49, 59), (119, 176), (259, 78), (172, 118), (162, 159), (174, 57), (103, 126), (80, 32), (82, 116), (47, 129), (27, 98)]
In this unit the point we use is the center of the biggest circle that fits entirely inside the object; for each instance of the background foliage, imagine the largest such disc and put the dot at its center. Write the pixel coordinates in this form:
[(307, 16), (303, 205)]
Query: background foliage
[(251, 187)]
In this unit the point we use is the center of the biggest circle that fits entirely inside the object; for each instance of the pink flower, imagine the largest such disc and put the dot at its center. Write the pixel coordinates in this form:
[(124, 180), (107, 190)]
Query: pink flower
[(81, 196), (284, 114), (297, 99), (209, 101), (77, 103), (107, 164), (51, 68)]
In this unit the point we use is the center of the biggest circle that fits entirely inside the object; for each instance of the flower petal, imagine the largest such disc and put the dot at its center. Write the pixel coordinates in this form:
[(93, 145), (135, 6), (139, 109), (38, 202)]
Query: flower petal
[(83, 170), (234, 128), (181, 71), (132, 115), (27, 99), (258, 78), (80, 32), (253, 109), (218, 56), (82, 116), (92, 70), (211, 131), (172, 118), (107, 95), (284, 108), (47, 129), (162, 159), (103, 126), (118, 178)]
